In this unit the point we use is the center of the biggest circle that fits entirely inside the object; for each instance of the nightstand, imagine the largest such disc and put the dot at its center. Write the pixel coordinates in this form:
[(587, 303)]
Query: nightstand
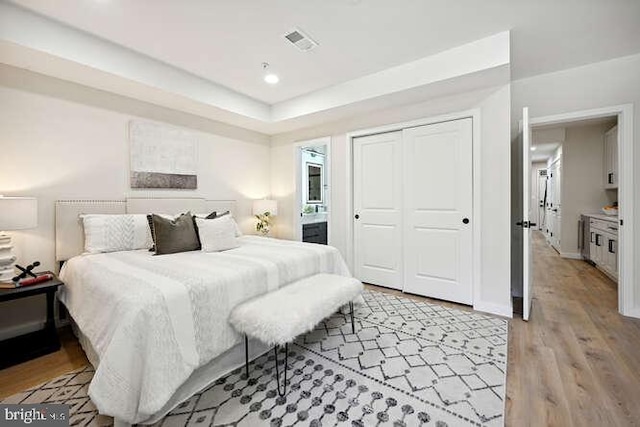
[(24, 347)]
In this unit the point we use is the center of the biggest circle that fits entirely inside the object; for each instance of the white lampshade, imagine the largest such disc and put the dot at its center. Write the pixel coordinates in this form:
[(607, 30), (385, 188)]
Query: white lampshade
[(18, 213), (265, 205)]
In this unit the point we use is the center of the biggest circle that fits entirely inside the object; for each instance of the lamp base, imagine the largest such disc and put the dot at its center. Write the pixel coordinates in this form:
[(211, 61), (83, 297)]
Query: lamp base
[(264, 224), (7, 259)]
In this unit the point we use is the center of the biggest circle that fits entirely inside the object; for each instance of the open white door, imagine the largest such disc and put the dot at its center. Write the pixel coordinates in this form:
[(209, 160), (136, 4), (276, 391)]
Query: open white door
[(526, 224)]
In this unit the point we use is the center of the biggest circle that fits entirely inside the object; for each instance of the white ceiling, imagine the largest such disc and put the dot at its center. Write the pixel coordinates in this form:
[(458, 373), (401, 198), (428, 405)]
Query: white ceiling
[(543, 152), (226, 41)]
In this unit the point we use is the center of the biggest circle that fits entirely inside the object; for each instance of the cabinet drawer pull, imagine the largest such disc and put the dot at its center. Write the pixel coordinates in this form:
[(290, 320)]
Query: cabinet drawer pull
[(610, 178), (598, 236), (611, 249)]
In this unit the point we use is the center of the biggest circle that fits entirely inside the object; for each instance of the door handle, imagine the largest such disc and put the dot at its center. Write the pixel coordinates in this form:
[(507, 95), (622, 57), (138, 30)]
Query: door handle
[(357, 216), (465, 220)]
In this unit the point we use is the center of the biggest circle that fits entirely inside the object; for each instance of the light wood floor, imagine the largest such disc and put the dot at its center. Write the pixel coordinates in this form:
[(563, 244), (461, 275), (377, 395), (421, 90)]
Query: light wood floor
[(575, 363), (37, 371)]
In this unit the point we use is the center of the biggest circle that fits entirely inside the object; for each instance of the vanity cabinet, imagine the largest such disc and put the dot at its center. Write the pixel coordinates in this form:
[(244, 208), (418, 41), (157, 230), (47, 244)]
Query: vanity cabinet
[(611, 158), (315, 233)]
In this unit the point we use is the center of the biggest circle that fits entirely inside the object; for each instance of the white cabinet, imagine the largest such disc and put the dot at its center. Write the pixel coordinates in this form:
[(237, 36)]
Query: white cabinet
[(611, 158), (610, 264), (604, 246), (596, 246)]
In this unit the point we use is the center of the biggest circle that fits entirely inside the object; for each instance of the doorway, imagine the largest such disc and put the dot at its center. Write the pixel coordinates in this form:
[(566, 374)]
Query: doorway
[(313, 191), (579, 197)]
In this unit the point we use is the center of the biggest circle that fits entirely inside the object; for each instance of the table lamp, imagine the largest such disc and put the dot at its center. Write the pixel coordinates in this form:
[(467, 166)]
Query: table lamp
[(16, 213), (264, 210)]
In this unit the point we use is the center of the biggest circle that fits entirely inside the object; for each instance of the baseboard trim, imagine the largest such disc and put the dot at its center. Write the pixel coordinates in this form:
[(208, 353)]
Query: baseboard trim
[(633, 312), (571, 255), (497, 309)]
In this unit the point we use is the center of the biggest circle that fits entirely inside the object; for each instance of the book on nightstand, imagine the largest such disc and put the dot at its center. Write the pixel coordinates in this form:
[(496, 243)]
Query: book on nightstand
[(44, 277)]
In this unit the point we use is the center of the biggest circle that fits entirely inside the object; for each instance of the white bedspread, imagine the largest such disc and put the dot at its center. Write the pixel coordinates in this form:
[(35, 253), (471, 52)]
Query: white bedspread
[(153, 320)]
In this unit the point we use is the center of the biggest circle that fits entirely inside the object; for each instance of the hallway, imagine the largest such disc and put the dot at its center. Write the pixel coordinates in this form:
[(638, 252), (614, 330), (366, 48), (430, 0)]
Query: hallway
[(577, 361)]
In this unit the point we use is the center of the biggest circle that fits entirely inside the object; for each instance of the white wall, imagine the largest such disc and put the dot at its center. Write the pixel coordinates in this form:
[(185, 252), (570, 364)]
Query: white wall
[(494, 287), (61, 149), (595, 85), (582, 180)]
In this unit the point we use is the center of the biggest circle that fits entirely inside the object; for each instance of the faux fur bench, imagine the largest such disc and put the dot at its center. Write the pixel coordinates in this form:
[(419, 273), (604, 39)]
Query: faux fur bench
[(278, 317)]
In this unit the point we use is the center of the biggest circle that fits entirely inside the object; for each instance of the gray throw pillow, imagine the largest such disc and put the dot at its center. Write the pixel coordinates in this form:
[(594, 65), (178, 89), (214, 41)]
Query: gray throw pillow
[(173, 236)]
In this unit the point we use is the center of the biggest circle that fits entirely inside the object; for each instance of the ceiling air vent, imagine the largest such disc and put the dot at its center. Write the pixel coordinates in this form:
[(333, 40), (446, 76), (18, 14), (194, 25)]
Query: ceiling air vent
[(300, 40)]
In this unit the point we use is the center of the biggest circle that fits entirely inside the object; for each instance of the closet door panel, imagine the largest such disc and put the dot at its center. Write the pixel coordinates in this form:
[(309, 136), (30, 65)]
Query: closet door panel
[(437, 257), (377, 182), (438, 198), (432, 173)]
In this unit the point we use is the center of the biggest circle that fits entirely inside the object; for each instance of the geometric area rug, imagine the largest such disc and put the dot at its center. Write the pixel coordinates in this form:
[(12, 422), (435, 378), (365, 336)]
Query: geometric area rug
[(410, 363)]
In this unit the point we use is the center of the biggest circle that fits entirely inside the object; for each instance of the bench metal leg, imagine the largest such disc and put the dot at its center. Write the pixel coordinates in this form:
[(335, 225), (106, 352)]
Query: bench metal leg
[(353, 324), (246, 355), (286, 361)]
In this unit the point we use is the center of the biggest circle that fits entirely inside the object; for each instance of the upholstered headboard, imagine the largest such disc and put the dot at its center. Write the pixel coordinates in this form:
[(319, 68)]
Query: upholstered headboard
[(69, 231)]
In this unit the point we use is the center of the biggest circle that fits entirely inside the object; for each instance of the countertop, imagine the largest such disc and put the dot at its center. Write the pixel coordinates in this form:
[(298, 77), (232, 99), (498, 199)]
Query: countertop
[(314, 218), (610, 218)]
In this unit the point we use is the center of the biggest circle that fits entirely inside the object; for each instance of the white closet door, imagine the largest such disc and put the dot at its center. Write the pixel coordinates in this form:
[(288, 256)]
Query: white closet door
[(438, 210), (377, 180)]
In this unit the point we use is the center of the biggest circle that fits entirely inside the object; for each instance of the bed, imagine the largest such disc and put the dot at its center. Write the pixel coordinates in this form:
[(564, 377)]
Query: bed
[(155, 327)]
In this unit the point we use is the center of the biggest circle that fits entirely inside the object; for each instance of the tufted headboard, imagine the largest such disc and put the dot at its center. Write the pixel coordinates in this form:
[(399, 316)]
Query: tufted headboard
[(69, 231)]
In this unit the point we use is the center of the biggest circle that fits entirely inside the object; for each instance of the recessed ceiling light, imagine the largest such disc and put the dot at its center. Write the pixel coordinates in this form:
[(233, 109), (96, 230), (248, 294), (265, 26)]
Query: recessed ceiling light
[(533, 148), (270, 78)]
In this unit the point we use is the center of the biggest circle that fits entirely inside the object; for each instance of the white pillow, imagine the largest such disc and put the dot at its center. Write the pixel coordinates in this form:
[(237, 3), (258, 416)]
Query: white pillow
[(220, 215), (217, 234), (236, 227), (235, 224), (111, 233)]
